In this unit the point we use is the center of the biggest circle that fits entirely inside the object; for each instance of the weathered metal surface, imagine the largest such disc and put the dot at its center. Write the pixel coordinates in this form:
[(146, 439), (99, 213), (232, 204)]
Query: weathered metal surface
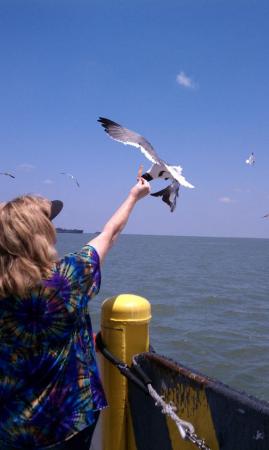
[(225, 418)]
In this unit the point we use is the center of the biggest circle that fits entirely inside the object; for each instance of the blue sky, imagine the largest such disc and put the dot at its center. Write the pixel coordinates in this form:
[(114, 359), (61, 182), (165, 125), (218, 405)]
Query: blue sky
[(192, 76)]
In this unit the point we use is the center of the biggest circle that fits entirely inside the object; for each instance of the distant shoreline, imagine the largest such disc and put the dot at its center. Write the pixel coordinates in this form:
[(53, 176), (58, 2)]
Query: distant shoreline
[(95, 233), (67, 230)]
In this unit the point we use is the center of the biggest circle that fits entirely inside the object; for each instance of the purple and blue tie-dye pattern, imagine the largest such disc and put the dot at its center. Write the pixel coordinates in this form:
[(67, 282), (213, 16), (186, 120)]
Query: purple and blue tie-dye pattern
[(49, 381)]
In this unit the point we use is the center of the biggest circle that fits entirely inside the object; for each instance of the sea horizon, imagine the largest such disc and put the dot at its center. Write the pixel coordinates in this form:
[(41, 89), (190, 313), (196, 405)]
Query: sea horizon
[(177, 235)]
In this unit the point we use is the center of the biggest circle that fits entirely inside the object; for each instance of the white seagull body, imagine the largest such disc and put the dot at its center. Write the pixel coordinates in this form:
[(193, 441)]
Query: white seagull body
[(159, 169), (167, 172), (71, 176), (251, 159)]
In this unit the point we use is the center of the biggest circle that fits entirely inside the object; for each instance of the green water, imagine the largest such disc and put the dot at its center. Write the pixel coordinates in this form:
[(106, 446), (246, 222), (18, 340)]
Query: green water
[(209, 296)]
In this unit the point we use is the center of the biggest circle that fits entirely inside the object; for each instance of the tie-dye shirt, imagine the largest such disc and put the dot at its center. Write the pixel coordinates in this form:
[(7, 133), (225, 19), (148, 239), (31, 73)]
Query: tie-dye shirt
[(49, 382)]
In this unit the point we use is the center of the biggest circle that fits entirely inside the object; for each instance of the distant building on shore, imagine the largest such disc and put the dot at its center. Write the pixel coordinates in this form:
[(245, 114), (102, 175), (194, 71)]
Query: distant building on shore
[(68, 230)]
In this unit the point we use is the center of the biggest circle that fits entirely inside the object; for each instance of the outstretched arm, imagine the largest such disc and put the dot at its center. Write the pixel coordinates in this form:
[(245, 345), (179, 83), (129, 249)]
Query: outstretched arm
[(103, 242)]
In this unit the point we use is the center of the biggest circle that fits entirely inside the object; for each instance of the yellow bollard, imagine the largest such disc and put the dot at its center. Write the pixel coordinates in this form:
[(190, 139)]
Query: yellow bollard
[(125, 332)]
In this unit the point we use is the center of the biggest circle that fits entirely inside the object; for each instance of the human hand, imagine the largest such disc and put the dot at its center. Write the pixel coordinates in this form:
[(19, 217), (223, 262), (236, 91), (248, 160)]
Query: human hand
[(141, 188), (140, 171)]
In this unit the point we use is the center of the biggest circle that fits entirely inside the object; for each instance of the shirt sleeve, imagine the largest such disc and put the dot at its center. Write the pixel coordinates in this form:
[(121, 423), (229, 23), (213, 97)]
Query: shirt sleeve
[(82, 271), (90, 276)]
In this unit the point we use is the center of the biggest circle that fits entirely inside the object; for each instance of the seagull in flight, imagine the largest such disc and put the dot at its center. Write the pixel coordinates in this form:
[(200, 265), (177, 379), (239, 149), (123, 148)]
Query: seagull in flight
[(71, 176), (7, 174), (159, 168), (251, 159)]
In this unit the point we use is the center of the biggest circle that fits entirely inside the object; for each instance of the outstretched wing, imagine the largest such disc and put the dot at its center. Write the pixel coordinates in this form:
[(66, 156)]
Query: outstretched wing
[(71, 176), (169, 195), (7, 174), (128, 137)]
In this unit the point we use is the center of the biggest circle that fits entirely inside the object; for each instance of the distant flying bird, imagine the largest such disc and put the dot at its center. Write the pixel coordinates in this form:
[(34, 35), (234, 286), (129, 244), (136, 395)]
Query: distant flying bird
[(7, 174), (251, 159), (266, 215), (169, 194), (71, 176), (159, 169)]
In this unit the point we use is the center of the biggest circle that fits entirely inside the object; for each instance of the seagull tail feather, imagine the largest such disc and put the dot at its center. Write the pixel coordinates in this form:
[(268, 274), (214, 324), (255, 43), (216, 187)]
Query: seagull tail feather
[(182, 180)]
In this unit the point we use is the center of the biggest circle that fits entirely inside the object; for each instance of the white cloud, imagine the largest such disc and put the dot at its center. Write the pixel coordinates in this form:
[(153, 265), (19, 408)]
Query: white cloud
[(242, 191), (225, 200), (26, 167), (48, 181), (185, 81)]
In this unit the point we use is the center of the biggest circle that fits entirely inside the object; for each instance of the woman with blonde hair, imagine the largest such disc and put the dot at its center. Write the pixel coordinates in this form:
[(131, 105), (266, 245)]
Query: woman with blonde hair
[(50, 390)]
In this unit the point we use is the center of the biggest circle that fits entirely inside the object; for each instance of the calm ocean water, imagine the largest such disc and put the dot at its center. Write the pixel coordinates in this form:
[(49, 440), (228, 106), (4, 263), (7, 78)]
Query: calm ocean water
[(209, 297)]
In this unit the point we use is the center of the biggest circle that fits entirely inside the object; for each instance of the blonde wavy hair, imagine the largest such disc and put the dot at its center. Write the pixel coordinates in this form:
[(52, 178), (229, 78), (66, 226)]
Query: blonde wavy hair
[(27, 244)]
